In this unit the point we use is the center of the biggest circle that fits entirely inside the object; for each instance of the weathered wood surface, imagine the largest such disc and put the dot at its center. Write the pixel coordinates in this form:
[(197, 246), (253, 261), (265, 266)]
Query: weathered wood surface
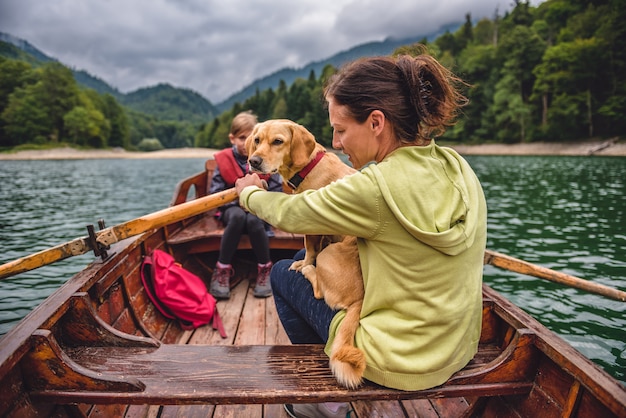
[(245, 368), (136, 371)]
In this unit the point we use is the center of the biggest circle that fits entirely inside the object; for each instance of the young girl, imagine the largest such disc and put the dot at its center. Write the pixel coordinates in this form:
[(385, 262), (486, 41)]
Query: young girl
[(232, 164)]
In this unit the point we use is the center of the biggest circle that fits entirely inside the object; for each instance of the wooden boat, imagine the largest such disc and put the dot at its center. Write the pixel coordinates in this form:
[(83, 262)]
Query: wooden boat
[(97, 347)]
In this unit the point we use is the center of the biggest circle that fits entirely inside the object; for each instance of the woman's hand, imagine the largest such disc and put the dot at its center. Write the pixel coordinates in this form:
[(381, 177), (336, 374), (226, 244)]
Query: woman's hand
[(249, 180)]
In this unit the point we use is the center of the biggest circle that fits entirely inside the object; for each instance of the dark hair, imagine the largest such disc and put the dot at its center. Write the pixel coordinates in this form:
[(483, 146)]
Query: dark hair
[(417, 94)]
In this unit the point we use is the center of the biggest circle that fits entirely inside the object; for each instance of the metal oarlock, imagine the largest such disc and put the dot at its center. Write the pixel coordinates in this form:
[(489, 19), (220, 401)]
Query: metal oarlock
[(98, 249)]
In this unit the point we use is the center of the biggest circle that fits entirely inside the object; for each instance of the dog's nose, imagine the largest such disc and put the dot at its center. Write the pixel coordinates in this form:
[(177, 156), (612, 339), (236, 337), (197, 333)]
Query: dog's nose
[(255, 161)]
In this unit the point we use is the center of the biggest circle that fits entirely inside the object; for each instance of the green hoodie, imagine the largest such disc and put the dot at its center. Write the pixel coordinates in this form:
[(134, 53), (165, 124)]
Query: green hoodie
[(420, 217)]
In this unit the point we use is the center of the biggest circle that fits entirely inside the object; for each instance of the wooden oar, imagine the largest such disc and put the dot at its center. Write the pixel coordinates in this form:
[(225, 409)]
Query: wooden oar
[(176, 213), (520, 266), (119, 232)]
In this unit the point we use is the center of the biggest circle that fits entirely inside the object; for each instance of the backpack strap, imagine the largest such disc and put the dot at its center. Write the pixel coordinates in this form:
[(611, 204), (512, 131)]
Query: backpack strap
[(217, 323), (230, 170), (227, 164)]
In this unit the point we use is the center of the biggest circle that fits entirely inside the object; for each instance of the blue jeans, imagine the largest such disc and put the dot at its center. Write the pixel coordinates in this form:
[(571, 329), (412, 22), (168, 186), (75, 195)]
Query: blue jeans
[(305, 319)]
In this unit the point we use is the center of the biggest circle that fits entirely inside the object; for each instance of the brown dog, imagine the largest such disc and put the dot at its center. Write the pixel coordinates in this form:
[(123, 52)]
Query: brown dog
[(285, 147)]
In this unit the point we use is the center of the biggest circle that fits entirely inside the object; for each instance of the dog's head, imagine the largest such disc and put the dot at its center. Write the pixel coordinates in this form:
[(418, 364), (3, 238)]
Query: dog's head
[(280, 146)]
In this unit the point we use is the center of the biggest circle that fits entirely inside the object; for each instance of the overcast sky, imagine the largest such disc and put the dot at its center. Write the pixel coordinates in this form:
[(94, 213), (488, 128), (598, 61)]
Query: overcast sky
[(216, 48)]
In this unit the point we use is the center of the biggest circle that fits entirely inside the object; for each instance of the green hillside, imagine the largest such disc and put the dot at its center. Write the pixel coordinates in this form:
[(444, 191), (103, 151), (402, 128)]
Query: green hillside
[(170, 103), (164, 102), (43, 101)]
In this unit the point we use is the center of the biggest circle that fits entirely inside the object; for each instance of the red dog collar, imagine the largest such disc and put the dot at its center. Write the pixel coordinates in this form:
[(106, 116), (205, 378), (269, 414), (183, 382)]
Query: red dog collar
[(295, 181)]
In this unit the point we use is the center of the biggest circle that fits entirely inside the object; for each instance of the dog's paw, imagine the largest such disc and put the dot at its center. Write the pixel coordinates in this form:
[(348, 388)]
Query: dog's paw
[(309, 272), (348, 365), (298, 265)]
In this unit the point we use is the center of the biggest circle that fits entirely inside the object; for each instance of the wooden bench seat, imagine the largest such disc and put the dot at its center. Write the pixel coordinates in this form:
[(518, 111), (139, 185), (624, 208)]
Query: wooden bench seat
[(198, 374), (102, 365), (205, 234)]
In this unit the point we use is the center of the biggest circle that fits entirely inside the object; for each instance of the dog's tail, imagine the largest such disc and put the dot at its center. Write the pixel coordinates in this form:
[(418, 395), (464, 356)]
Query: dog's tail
[(347, 361)]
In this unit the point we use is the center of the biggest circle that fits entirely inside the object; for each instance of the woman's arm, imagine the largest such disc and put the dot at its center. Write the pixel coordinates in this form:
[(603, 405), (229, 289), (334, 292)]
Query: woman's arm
[(350, 206)]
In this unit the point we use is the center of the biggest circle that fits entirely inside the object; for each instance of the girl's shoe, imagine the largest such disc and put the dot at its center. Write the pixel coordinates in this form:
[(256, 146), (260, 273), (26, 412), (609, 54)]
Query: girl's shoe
[(263, 287), (220, 282)]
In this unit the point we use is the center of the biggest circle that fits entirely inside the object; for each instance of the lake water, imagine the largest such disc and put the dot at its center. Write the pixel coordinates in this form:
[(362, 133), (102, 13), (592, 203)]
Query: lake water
[(565, 213)]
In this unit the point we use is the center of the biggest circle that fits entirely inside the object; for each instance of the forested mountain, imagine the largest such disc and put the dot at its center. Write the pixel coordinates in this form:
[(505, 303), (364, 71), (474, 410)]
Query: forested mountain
[(44, 104), (19, 49), (555, 72), (11, 51), (289, 75), (163, 101), (28, 52), (89, 81), (142, 101), (170, 103), (99, 115)]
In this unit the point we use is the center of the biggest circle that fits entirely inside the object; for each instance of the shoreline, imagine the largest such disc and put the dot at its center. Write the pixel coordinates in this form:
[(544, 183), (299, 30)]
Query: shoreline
[(583, 148), (610, 147), (67, 153)]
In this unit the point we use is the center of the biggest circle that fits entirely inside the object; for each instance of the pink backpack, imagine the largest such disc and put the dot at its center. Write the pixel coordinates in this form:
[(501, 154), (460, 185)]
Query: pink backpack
[(178, 293)]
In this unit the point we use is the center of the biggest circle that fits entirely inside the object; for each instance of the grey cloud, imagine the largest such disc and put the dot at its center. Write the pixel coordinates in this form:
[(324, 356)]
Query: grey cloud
[(407, 18)]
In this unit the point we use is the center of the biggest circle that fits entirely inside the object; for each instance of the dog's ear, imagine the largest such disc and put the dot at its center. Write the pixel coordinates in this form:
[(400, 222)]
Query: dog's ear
[(302, 145)]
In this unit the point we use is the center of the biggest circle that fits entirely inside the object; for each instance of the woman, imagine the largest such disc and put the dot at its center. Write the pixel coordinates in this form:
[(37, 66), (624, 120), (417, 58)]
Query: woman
[(420, 217)]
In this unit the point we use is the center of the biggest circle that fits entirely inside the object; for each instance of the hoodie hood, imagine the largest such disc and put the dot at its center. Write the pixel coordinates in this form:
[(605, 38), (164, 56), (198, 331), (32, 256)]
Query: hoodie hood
[(435, 196)]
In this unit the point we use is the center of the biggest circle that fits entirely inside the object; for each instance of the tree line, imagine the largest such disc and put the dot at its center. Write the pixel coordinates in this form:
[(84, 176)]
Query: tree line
[(552, 72), (43, 104), (548, 73)]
